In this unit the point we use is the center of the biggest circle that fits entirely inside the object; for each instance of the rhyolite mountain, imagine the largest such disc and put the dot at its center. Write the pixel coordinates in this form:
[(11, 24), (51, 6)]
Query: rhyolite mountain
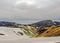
[(45, 23)]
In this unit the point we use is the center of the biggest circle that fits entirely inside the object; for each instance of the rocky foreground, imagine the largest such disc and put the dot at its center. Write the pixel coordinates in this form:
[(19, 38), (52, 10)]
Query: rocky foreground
[(11, 37)]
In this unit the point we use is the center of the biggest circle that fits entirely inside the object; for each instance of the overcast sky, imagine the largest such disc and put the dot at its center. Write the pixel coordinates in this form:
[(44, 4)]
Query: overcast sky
[(29, 9)]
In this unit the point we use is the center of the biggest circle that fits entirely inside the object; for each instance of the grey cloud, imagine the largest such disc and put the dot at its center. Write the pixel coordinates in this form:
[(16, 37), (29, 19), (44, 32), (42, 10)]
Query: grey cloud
[(8, 10)]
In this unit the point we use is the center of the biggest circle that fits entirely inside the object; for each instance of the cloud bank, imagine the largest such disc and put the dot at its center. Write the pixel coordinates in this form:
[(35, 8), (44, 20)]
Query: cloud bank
[(29, 9)]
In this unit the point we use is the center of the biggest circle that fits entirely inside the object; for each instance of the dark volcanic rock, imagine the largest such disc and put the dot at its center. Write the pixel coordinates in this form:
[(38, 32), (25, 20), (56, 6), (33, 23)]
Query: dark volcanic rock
[(56, 23), (2, 34), (43, 23)]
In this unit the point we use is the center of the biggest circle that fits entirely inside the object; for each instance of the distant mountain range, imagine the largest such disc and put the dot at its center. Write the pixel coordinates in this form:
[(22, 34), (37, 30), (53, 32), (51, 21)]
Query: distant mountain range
[(4, 23), (37, 24), (45, 23)]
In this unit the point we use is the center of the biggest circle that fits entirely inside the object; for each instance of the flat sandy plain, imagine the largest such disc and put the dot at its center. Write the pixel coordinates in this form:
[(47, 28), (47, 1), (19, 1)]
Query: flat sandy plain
[(11, 37)]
